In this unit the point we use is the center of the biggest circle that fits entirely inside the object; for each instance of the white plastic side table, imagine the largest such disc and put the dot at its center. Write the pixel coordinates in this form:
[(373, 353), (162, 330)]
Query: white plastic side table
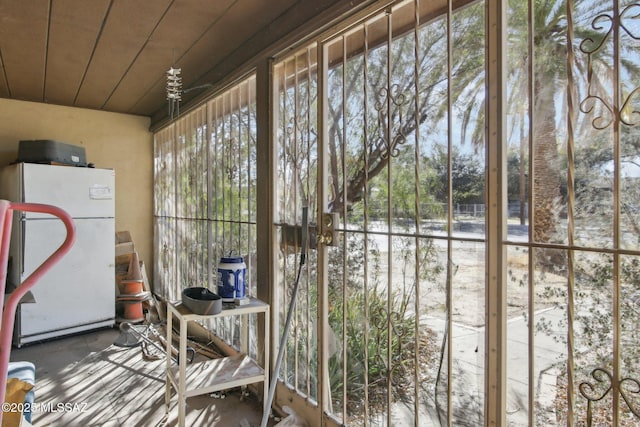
[(216, 374)]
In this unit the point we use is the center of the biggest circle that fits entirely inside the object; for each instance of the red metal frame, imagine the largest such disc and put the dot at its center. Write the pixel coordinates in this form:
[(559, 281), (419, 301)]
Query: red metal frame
[(11, 304)]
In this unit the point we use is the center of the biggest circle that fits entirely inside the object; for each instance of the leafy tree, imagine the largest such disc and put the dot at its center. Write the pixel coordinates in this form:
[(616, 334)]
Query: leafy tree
[(467, 176), (374, 130), (375, 111), (550, 82)]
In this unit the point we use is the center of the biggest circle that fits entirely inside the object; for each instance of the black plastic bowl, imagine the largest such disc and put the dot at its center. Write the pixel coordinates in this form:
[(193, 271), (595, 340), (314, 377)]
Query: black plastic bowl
[(201, 301)]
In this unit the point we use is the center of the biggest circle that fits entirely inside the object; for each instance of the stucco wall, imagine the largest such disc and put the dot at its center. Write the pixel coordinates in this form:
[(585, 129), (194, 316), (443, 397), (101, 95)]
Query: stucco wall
[(115, 141)]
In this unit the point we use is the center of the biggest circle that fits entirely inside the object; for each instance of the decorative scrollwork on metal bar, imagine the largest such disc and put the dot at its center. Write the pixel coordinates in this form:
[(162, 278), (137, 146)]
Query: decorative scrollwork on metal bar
[(596, 392), (628, 115), (629, 389), (631, 11), (593, 103), (388, 145)]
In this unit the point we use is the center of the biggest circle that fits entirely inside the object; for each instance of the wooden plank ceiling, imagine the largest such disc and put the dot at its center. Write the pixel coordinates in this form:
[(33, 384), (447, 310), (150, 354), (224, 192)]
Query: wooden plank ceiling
[(112, 55)]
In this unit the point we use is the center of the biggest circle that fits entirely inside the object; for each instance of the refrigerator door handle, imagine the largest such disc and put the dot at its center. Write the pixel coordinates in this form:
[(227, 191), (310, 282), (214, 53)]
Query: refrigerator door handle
[(20, 274)]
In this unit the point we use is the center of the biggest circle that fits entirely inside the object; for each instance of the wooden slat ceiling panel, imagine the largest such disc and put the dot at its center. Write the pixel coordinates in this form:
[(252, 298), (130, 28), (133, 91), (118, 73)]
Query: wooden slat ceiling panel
[(23, 42), (4, 86), (74, 28), (292, 20), (184, 23), (113, 54), (243, 20), (126, 31)]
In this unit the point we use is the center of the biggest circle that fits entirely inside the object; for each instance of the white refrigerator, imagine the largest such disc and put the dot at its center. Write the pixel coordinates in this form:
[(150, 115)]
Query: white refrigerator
[(78, 293)]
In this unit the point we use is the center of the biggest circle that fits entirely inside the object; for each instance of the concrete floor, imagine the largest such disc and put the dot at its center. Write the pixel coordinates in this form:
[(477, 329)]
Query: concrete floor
[(100, 384)]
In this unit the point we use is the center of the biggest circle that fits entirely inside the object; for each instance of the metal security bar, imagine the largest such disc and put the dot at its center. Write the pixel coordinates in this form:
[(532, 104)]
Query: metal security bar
[(164, 212), (205, 190), (573, 267), (394, 88), (521, 311), (232, 189), (392, 339), (296, 130), (191, 209)]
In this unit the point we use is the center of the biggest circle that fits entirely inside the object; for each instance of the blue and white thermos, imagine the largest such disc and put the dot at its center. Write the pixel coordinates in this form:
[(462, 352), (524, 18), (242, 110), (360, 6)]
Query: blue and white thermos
[(231, 278)]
